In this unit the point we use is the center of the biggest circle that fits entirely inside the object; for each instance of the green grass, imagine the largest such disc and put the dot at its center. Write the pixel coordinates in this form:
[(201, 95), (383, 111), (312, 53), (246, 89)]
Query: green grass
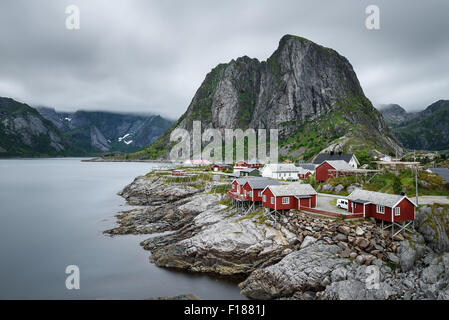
[(428, 184)]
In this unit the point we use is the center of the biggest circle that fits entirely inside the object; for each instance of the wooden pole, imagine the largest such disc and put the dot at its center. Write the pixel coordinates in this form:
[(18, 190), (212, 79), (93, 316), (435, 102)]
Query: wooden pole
[(416, 184)]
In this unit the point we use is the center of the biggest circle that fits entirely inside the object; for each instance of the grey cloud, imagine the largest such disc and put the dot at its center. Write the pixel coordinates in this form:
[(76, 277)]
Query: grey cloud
[(151, 56)]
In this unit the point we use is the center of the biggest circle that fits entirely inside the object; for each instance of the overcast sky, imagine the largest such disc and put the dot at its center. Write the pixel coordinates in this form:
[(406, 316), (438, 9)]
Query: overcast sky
[(151, 56)]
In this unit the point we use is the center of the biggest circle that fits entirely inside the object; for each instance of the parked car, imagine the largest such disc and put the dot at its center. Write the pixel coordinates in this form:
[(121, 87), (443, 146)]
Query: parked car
[(342, 204)]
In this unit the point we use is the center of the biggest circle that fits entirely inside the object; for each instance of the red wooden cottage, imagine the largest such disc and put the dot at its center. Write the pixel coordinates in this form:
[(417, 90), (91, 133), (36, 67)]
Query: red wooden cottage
[(242, 164), (220, 167), (329, 169), (303, 173), (253, 188), (381, 206), (254, 164), (237, 191), (292, 196)]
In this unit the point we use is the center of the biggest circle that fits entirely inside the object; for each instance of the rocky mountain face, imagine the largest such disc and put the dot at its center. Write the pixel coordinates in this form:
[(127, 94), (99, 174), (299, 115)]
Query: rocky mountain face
[(24, 132), (107, 131), (425, 130), (310, 93)]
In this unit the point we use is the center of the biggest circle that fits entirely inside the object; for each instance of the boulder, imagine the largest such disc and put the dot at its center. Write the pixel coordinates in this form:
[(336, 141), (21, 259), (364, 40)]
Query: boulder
[(308, 240), (339, 188)]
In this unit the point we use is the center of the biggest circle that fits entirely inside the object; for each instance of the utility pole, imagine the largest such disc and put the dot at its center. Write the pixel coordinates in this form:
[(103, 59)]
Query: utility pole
[(416, 184)]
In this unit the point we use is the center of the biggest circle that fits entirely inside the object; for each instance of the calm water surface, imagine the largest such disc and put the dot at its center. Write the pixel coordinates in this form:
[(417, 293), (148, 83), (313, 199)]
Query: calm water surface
[(53, 213)]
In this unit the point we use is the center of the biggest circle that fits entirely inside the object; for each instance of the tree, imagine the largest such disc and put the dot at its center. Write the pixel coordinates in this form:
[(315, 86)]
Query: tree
[(363, 156), (397, 185)]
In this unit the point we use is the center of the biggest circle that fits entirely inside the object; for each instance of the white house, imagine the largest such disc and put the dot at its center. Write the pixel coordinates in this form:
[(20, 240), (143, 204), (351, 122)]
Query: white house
[(285, 171)]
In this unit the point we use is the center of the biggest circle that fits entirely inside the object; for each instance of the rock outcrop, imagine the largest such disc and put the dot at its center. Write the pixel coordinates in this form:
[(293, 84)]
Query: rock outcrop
[(299, 256), (433, 224)]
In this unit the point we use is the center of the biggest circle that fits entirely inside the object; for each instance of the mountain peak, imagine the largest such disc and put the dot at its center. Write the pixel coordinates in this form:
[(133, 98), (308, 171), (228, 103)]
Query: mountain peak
[(440, 104), (310, 93)]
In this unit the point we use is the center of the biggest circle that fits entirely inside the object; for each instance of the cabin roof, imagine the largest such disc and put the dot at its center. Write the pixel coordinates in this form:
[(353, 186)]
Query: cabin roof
[(339, 165), (262, 183), (325, 157), (292, 189), (242, 181), (384, 199), (307, 166)]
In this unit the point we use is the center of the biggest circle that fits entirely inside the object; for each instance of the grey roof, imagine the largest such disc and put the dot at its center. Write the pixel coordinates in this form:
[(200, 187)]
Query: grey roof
[(384, 199), (324, 157), (339, 164), (442, 172), (262, 183), (293, 189), (242, 181), (307, 166)]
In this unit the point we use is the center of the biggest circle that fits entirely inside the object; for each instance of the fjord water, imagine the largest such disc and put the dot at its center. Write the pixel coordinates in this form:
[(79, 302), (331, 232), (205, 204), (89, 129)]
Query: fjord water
[(53, 213)]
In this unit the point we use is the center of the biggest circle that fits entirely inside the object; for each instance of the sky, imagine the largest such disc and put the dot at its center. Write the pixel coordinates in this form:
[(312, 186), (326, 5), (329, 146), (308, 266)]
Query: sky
[(151, 56)]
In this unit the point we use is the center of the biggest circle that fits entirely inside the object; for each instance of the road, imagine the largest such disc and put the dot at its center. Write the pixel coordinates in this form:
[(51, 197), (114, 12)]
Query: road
[(324, 202)]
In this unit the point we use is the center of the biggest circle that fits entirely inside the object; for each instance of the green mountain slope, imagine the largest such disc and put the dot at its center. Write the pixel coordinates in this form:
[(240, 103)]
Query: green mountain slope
[(426, 130)]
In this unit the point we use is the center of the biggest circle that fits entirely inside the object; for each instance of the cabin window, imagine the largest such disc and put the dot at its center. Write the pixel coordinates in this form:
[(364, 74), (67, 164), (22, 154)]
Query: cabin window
[(380, 209), (285, 200), (259, 193), (397, 211), (272, 200), (264, 198)]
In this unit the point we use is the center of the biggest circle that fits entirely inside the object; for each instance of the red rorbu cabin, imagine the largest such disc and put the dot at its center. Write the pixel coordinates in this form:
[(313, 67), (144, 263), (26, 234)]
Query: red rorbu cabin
[(286, 197), (381, 206), (253, 188), (220, 167), (304, 173), (330, 169), (236, 191)]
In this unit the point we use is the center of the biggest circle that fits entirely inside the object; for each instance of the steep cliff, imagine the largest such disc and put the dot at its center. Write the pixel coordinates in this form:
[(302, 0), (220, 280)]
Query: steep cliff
[(310, 93)]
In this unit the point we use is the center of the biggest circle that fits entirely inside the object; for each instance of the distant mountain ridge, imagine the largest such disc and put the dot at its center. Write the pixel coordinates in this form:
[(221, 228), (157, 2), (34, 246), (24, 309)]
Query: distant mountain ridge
[(394, 114), (424, 130), (27, 132), (310, 93), (107, 131)]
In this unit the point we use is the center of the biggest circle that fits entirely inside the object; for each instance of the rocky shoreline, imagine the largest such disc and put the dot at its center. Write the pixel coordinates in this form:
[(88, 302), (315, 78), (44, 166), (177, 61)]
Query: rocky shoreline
[(300, 257)]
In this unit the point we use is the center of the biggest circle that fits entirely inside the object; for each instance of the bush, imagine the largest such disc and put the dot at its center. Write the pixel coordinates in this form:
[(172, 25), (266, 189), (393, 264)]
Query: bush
[(397, 185)]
